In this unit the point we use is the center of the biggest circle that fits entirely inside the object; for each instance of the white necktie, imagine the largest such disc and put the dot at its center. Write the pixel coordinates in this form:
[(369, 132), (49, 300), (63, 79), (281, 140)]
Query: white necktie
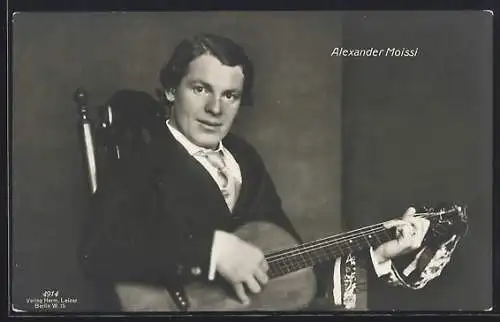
[(227, 183)]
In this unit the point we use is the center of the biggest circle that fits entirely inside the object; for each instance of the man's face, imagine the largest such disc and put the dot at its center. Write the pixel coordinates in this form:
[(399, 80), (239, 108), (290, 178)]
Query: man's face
[(207, 101)]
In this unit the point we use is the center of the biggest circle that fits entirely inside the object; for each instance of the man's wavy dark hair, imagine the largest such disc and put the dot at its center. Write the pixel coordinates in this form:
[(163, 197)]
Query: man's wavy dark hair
[(224, 49)]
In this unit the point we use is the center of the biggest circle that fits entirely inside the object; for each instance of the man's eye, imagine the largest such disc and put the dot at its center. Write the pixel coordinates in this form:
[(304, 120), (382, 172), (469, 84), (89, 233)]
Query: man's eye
[(198, 89), (231, 96)]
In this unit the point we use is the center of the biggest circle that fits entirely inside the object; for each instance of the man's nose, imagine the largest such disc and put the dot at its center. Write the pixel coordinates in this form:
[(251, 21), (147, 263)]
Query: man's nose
[(213, 106)]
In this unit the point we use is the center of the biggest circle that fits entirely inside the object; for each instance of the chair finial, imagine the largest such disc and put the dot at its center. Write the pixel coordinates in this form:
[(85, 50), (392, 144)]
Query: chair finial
[(81, 97)]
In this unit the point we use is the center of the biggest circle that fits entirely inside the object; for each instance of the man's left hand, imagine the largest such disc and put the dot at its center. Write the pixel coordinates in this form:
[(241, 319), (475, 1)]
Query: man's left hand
[(410, 232)]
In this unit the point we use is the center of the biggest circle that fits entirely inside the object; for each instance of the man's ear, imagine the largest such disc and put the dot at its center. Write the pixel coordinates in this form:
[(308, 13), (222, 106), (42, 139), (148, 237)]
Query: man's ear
[(170, 94)]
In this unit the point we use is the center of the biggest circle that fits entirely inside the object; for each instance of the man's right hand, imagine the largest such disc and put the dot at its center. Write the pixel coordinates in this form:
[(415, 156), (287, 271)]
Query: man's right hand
[(240, 263)]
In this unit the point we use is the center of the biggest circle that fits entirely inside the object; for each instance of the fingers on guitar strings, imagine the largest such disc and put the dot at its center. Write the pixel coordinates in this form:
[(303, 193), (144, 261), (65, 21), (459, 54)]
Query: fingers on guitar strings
[(409, 212), (414, 232), (394, 223)]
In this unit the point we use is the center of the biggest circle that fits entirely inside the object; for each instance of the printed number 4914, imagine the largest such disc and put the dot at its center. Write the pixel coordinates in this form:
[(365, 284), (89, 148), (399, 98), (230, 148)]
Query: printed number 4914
[(50, 293)]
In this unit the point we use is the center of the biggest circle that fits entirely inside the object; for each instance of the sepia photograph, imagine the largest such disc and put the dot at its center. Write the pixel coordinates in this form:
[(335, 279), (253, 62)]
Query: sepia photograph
[(261, 161)]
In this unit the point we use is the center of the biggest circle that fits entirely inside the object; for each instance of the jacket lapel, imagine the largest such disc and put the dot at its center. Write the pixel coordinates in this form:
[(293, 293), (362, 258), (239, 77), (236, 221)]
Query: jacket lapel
[(248, 174), (177, 169)]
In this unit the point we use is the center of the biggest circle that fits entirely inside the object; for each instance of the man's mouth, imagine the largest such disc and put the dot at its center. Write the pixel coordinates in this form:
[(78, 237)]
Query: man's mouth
[(210, 124)]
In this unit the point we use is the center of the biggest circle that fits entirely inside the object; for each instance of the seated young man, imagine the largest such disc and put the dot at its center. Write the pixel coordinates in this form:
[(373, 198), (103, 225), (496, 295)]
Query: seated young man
[(169, 220)]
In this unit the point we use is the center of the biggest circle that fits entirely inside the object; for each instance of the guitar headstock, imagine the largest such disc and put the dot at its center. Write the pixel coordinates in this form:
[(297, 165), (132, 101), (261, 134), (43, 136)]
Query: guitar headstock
[(446, 219)]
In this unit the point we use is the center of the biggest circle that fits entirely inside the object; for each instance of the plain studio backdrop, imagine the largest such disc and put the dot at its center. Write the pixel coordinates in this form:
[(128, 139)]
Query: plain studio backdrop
[(348, 141)]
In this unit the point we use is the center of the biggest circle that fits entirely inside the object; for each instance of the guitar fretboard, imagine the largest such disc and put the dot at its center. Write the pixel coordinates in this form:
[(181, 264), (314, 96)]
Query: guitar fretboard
[(311, 253)]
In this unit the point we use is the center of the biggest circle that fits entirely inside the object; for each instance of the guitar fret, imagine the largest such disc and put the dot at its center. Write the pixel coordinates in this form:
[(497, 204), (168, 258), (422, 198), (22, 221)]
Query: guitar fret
[(367, 238), (285, 267), (278, 268), (303, 259), (340, 250), (379, 242), (348, 245), (324, 251), (306, 261)]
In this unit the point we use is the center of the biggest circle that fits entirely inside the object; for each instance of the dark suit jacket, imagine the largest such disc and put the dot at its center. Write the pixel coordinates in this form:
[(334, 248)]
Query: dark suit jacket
[(154, 222)]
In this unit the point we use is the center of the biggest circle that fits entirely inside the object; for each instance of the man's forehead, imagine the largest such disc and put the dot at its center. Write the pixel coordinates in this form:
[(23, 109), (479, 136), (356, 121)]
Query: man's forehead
[(210, 70)]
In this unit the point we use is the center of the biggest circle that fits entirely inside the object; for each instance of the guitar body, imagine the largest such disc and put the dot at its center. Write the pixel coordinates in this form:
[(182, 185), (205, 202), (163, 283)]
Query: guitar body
[(293, 291), (294, 287)]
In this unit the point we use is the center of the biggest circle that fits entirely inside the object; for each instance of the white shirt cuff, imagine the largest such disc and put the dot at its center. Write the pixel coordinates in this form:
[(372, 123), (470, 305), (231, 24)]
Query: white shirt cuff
[(337, 282), (380, 268), (213, 256)]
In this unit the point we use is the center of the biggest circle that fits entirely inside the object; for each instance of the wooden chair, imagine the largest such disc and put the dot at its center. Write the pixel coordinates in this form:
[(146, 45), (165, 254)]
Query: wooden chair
[(124, 125), (110, 135)]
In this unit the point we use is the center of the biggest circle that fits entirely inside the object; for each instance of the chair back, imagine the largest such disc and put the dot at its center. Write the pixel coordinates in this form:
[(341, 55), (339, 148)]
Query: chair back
[(120, 129)]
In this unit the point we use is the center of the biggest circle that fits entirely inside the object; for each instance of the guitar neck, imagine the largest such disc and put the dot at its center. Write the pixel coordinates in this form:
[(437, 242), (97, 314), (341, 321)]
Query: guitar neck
[(311, 253)]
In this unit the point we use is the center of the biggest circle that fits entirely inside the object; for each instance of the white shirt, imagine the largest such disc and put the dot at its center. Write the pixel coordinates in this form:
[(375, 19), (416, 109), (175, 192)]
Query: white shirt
[(195, 150), (218, 241)]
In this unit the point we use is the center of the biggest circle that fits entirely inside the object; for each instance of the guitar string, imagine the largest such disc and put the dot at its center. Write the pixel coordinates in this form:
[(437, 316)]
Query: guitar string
[(293, 264), (346, 234), (328, 241), (336, 239), (284, 267), (354, 241), (298, 250), (278, 267), (297, 263), (329, 253), (351, 234)]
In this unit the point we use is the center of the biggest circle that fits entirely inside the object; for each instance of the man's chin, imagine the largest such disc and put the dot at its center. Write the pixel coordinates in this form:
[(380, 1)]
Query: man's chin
[(208, 141)]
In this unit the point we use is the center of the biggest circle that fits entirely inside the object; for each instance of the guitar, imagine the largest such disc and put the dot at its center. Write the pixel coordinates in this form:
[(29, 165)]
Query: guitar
[(292, 282)]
